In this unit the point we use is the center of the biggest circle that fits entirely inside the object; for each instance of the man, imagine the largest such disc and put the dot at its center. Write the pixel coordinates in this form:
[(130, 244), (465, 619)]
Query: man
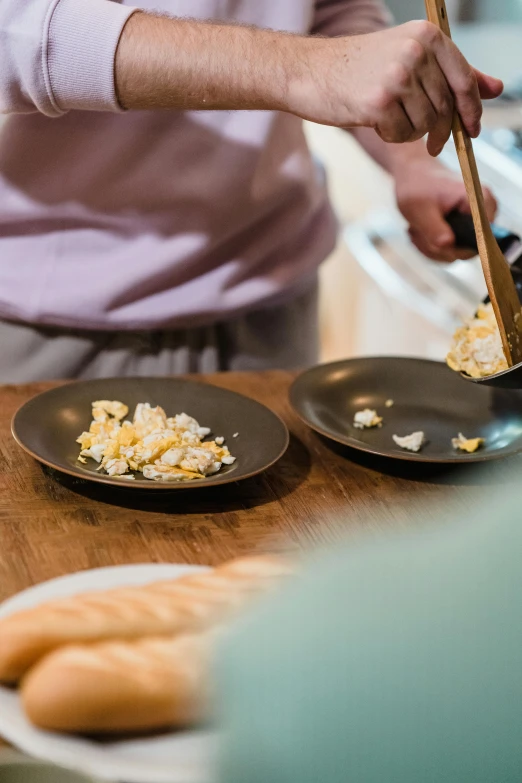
[(146, 229)]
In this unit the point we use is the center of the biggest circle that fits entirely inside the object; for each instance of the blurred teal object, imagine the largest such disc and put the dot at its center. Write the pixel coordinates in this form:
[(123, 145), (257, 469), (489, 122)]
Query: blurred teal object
[(398, 660)]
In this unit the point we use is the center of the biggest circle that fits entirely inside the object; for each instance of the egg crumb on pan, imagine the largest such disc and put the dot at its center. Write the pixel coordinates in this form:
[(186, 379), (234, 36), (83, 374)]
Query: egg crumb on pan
[(477, 346), (366, 419), (470, 445), (413, 442), (161, 448)]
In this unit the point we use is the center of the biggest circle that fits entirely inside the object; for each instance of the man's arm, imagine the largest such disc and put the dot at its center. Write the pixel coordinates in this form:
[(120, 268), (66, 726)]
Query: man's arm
[(173, 63), (403, 82)]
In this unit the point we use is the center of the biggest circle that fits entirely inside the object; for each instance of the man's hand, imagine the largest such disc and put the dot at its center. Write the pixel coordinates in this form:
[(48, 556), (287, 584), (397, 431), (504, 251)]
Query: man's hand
[(403, 82), (426, 192)]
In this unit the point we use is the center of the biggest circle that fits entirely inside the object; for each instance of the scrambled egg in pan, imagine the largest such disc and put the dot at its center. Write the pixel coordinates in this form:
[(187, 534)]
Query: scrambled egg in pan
[(413, 442), (477, 346), (366, 419), (467, 444), (163, 449)]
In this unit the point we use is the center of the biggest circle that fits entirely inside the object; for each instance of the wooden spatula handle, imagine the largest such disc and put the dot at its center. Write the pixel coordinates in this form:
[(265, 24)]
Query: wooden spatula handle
[(437, 14)]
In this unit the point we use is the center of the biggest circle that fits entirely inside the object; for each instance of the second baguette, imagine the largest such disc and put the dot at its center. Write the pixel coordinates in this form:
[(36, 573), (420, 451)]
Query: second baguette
[(141, 685)]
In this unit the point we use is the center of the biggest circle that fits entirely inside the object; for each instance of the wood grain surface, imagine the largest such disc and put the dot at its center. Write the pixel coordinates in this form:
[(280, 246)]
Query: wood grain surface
[(51, 525)]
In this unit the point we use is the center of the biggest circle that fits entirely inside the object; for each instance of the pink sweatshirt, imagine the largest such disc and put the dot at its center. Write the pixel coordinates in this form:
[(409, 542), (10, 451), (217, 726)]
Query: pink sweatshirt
[(120, 220)]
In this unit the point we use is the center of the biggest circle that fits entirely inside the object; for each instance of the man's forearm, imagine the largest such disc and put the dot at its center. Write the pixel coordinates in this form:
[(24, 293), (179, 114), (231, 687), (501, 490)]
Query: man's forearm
[(371, 80), (164, 63)]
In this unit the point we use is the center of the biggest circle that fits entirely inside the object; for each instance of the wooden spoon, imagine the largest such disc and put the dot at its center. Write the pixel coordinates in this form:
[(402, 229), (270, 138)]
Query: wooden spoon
[(499, 281)]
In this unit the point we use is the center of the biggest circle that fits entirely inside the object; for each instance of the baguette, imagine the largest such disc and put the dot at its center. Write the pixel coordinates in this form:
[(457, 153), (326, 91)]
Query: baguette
[(117, 687), (159, 609)]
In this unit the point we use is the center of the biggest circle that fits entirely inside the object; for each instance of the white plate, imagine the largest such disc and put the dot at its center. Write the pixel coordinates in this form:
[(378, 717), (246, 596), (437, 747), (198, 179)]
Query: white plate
[(184, 757)]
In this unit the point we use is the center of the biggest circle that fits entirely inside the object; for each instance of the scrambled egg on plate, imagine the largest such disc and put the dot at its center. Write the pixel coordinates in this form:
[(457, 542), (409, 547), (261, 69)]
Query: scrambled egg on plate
[(163, 449), (477, 346)]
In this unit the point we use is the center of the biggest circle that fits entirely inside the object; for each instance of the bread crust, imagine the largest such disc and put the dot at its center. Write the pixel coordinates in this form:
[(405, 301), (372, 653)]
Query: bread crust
[(114, 687)]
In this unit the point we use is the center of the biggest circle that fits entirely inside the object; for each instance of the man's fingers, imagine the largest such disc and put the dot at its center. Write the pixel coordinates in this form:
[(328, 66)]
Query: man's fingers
[(437, 139), (489, 87), (436, 253), (491, 204), (459, 75), (420, 110), (440, 96), (426, 218), (394, 124), (467, 98), (424, 247), (462, 253)]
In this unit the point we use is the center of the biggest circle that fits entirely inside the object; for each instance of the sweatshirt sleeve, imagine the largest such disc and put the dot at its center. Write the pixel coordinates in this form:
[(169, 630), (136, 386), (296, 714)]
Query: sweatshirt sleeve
[(58, 55), (350, 17)]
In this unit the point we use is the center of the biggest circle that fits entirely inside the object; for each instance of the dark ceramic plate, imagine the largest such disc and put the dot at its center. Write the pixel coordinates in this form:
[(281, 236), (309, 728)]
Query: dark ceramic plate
[(47, 426), (427, 396)]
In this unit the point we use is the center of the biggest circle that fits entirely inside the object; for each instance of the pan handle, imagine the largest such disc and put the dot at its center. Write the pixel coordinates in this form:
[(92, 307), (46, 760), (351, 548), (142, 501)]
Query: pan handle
[(464, 230)]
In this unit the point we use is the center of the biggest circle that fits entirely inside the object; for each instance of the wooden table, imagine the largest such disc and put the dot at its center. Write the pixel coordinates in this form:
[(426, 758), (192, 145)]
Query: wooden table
[(52, 525)]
